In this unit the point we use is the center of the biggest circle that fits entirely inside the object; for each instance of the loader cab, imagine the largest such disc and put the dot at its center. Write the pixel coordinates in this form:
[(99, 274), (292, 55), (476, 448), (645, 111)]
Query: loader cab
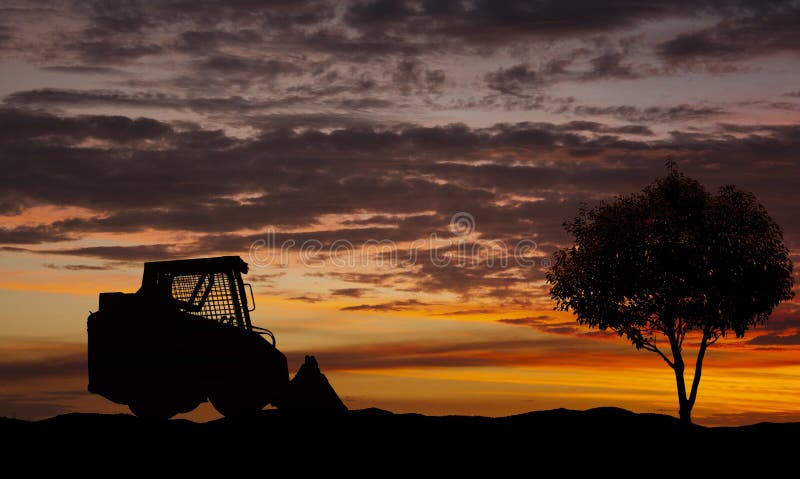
[(211, 288)]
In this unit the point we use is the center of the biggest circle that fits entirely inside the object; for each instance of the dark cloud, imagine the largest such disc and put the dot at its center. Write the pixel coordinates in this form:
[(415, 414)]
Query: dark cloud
[(387, 181), (5, 35), (235, 67), (68, 365), (308, 299), (32, 235), (771, 28), (129, 17), (61, 97), (109, 51), (449, 353), (513, 80), (652, 114), (211, 35), (282, 122), (15, 249), (523, 78), (434, 80), (468, 312), (116, 98), (25, 406), (201, 42), (546, 324), (138, 253), (399, 305), (83, 69), (632, 130), (378, 12), (772, 105), (782, 327), (79, 267), (488, 22), (345, 94), (149, 188), (265, 277), (526, 321), (363, 103), (591, 126), (17, 125), (472, 277), (776, 340), (543, 323), (350, 292), (410, 76), (698, 44), (360, 28), (225, 58), (610, 65), (375, 279)]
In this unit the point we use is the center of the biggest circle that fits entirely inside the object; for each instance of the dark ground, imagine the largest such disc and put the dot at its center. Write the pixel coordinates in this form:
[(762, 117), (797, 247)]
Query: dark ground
[(379, 443)]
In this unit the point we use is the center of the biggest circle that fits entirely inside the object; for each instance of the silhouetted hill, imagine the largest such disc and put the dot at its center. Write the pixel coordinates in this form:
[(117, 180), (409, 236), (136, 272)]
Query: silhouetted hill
[(597, 439)]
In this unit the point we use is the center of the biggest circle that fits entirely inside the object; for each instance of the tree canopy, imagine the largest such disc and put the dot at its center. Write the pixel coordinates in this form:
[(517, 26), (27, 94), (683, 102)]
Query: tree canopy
[(672, 260)]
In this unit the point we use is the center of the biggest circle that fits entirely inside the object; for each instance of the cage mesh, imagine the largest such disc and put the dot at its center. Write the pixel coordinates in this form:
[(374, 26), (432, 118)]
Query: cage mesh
[(219, 303)]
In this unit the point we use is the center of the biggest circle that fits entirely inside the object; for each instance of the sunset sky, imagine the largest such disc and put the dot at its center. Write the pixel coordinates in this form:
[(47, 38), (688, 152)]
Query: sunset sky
[(394, 148)]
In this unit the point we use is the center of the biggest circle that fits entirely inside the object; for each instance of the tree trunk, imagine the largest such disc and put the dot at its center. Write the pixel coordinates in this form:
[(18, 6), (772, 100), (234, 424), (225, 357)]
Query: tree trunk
[(685, 407), (698, 371), (686, 404), (685, 412)]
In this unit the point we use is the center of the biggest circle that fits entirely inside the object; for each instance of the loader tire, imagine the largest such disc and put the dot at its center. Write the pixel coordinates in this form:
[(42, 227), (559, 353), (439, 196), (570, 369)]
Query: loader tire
[(237, 405), (152, 410), (160, 409)]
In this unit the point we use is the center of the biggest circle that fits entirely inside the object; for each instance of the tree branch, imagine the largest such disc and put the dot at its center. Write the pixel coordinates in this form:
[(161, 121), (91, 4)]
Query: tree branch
[(647, 345), (680, 333)]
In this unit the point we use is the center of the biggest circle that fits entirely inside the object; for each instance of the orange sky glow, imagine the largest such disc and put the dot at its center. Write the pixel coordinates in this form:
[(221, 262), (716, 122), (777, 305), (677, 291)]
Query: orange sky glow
[(439, 145)]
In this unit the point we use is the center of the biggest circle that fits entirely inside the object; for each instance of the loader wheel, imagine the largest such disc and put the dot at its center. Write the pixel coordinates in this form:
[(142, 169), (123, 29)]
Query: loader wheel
[(153, 410), (161, 409), (237, 405)]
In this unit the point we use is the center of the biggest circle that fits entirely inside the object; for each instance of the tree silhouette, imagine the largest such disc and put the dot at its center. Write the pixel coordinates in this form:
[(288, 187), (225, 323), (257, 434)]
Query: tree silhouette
[(671, 261)]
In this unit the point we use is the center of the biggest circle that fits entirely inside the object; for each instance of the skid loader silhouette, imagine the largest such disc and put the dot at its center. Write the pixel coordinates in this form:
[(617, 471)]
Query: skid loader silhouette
[(186, 337)]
